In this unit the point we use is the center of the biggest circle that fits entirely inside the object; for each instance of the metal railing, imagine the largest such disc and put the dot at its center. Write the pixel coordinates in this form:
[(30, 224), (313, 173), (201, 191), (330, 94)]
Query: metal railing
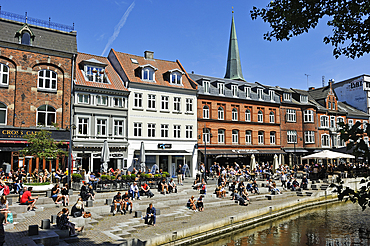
[(34, 21)]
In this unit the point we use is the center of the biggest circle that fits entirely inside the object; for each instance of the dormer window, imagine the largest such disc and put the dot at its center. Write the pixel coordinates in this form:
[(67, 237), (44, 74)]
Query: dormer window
[(259, 93), (25, 35), (247, 92), (287, 97), (95, 74), (221, 88), (234, 89), (26, 38), (176, 77), (304, 99), (272, 94), (148, 72), (206, 85)]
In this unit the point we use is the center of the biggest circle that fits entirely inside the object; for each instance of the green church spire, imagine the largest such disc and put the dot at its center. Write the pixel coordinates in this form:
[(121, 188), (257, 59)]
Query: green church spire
[(234, 68)]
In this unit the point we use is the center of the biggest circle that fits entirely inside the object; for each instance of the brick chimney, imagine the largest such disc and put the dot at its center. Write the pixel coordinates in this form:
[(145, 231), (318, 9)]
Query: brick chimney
[(149, 55)]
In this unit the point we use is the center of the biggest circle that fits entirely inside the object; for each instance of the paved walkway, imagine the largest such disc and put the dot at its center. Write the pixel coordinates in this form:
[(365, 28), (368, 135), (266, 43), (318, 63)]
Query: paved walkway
[(95, 235)]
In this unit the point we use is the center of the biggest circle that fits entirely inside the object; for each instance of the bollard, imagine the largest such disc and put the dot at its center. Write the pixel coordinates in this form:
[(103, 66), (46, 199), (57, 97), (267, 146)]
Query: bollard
[(10, 201), (157, 211), (70, 192), (33, 230), (89, 203), (48, 193), (108, 201), (53, 218), (138, 214), (45, 224)]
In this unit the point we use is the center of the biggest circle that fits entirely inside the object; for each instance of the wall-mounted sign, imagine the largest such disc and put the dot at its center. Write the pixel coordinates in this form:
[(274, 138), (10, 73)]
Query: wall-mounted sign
[(164, 146), (20, 133), (245, 151)]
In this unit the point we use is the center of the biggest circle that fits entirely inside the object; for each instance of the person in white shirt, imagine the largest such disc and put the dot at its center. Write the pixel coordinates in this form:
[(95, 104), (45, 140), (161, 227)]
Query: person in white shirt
[(134, 189)]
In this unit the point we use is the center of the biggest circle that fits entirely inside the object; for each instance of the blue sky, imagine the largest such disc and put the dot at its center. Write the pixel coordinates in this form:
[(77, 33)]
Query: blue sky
[(196, 32)]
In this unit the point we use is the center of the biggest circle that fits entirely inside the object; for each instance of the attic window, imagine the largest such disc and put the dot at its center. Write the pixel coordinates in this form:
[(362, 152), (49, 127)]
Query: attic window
[(95, 74), (304, 99), (287, 97), (26, 38), (134, 61), (176, 78), (148, 74)]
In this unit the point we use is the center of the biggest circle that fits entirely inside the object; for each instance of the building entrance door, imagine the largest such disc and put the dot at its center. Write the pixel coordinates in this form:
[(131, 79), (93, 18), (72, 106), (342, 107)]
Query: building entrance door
[(163, 163)]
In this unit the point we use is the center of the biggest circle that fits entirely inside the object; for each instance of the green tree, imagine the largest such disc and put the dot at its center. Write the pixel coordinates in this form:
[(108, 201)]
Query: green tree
[(349, 19), (354, 136), (41, 145)]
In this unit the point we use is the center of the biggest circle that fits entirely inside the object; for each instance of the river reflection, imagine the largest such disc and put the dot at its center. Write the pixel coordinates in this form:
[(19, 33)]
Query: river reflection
[(338, 224)]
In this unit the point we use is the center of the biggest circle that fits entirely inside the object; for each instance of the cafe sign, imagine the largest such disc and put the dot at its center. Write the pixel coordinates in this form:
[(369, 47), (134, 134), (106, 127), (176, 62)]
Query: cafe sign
[(11, 133), (164, 146)]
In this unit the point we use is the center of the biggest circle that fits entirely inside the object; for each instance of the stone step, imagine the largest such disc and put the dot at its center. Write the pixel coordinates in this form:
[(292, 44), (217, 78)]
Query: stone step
[(46, 237)]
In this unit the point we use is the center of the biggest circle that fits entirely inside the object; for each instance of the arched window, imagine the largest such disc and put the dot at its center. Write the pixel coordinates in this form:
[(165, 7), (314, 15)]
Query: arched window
[(260, 137), (260, 116), (47, 80), (247, 115), (4, 74), (234, 114), (26, 38), (3, 113), (221, 136), (206, 112), (148, 74), (220, 113), (272, 117), (248, 137), (46, 115), (235, 136)]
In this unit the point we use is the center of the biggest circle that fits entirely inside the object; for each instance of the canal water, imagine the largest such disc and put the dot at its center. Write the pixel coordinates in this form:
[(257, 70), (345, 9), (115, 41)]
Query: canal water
[(330, 225)]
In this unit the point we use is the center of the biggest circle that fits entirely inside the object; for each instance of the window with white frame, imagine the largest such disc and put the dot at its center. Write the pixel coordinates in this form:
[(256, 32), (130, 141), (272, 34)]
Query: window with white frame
[(248, 137), (164, 102), (221, 136), (47, 80), (247, 91), (287, 97), (138, 100), (304, 99), (340, 141), (176, 78), (118, 102), (329, 105), (292, 136), (272, 137), (151, 101), (3, 113), (46, 115), (188, 131), (334, 139), (164, 131), (4, 74), (177, 131), (235, 136), (151, 130), (291, 115), (220, 113), (101, 100), (309, 137), (205, 112), (95, 74), (234, 89), (148, 74), (101, 127), (260, 116), (350, 123), (118, 127), (325, 140), (332, 121), (83, 126), (221, 88), (272, 95), (260, 94), (272, 117), (83, 98), (261, 137), (364, 124), (176, 104), (206, 135), (234, 114), (137, 129), (308, 116), (339, 119), (206, 86), (324, 120), (189, 105), (247, 115)]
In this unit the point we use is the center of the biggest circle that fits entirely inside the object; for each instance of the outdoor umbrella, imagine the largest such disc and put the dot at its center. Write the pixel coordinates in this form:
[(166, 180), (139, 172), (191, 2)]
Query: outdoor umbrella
[(253, 162), (327, 154), (105, 156), (142, 157), (275, 163)]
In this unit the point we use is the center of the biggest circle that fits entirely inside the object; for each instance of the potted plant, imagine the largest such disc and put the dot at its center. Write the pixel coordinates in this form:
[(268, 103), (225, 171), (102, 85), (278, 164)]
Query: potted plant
[(76, 177), (133, 177), (142, 176)]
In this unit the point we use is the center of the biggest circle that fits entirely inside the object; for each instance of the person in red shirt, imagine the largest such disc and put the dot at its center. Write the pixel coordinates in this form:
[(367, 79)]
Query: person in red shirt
[(27, 199)]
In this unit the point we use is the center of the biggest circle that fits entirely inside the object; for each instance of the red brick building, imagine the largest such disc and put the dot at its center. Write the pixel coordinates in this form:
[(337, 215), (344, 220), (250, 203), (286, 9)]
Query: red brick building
[(36, 66)]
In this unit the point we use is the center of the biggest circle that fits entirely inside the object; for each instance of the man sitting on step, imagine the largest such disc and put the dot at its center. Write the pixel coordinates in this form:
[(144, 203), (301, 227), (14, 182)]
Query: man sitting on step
[(117, 200), (146, 189), (127, 202), (150, 215)]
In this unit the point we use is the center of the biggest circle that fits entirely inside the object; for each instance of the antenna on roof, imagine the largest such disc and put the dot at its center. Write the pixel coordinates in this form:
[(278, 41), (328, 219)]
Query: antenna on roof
[(307, 78), (232, 11), (323, 81)]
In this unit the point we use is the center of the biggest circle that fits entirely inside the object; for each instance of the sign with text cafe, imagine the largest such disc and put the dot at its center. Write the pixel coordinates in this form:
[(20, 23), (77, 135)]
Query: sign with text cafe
[(12, 133)]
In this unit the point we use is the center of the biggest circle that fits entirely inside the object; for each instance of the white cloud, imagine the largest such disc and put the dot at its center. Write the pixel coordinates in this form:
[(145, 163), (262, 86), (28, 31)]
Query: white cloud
[(118, 27)]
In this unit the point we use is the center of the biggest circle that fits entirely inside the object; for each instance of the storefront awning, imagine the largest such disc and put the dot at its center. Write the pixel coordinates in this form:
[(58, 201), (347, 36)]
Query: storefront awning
[(237, 152), (295, 151)]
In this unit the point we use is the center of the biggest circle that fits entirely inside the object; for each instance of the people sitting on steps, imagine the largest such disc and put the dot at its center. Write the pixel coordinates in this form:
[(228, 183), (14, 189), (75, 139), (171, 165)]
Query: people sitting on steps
[(163, 186), (127, 202), (28, 199), (118, 203), (146, 189), (172, 188), (191, 204), (78, 209), (64, 223), (150, 217), (56, 195), (200, 205), (134, 190)]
